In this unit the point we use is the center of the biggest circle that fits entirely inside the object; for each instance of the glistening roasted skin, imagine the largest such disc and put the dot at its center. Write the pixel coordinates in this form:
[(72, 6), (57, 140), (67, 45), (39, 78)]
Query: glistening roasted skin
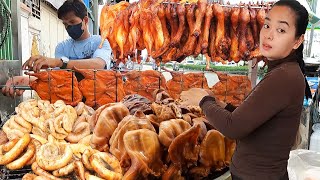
[(170, 129), (144, 82), (129, 123), (166, 34), (135, 32), (213, 154), (57, 85), (243, 28), (260, 16), (108, 15), (145, 18), (107, 122), (190, 44), (181, 82), (122, 30), (162, 29), (184, 149), (206, 29), (181, 10), (144, 150), (157, 32), (212, 150), (101, 87), (222, 40), (200, 13), (173, 172), (234, 49)]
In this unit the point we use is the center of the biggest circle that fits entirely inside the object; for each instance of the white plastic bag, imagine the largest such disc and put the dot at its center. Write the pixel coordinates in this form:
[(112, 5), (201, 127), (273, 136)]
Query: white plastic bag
[(304, 165)]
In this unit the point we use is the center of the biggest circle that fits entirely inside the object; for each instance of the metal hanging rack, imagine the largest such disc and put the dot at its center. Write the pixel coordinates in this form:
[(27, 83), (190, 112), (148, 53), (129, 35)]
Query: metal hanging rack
[(254, 6), (49, 83), (95, 87)]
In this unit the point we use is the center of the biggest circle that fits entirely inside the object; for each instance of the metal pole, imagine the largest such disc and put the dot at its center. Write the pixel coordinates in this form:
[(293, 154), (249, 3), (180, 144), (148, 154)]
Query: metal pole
[(310, 40), (253, 72), (95, 12), (16, 30), (314, 4)]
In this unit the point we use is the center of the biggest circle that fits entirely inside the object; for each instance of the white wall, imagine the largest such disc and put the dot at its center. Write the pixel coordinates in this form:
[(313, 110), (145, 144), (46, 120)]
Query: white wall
[(25, 33), (49, 31), (52, 31)]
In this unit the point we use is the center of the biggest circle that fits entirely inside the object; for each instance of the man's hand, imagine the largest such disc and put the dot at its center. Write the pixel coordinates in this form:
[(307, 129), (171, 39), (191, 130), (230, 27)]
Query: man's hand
[(17, 81), (36, 63)]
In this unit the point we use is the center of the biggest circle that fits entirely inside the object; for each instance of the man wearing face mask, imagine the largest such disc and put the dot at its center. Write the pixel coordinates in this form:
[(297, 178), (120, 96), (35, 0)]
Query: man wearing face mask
[(81, 50)]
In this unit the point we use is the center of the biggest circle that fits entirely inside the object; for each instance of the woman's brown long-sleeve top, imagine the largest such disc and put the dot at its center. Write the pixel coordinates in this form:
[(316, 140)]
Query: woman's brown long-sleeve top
[(265, 124)]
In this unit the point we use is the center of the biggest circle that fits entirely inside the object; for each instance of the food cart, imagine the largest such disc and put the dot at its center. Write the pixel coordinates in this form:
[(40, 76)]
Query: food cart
[(122, 86)]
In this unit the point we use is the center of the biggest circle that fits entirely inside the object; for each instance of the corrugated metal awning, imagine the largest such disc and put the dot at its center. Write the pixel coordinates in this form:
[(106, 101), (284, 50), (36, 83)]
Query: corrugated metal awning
[(56, 3)]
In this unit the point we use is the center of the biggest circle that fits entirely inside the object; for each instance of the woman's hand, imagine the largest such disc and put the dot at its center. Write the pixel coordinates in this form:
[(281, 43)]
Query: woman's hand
[(221, 104), (38, 62), (193, 96)]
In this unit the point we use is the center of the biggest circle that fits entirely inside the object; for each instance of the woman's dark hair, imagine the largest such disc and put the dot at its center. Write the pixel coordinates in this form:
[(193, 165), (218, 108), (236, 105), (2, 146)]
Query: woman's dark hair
[(302, 20), (76, 6)]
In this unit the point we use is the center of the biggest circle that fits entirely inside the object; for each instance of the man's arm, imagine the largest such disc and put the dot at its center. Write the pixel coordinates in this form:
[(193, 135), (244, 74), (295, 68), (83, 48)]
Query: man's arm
[(98, 60), (36, 63), (17, 81), (104, 53), (93, 63)]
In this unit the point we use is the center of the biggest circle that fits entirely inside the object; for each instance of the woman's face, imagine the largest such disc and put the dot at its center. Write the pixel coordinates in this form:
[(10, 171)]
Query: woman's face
[(277, 36)]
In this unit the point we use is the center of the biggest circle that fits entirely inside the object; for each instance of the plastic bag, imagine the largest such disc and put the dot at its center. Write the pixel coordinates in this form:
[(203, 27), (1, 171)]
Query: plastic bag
[(304, 165)]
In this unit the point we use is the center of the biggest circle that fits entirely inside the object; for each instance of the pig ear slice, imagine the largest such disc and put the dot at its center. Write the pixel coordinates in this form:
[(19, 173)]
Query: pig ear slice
[(169, 130), (212, 151), (144, 149), (184, 149)]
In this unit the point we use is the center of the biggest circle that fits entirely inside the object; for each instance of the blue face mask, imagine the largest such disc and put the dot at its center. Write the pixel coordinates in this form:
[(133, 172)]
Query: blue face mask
[(75, 31)]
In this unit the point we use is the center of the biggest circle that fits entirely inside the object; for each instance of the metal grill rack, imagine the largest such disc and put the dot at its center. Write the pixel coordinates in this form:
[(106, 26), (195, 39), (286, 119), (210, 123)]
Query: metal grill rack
[(95, 85), (140, 86), (6, 174)]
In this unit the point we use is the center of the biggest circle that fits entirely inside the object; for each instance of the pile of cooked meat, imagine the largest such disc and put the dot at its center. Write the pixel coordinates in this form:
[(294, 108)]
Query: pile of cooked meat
[(132, 139), (173, 30), (100, 87)]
